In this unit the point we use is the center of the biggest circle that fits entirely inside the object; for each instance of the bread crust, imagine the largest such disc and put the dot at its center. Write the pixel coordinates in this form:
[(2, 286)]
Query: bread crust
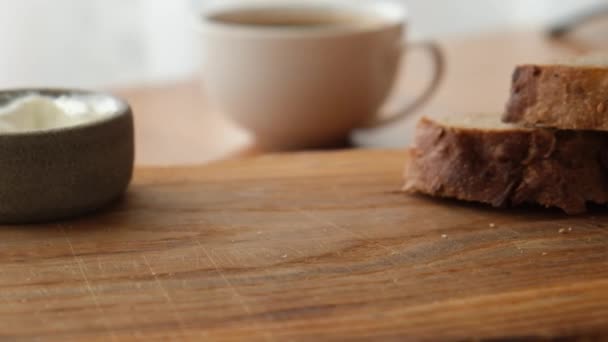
[(509, 167), (559, 96)]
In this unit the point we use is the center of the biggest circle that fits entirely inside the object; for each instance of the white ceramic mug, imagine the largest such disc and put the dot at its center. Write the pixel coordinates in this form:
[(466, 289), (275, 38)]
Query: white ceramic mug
[(306, 84)]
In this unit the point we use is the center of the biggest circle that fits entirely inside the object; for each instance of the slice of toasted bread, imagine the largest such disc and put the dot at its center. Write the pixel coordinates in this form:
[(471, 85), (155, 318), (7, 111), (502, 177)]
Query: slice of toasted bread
[(565, 96), (477, 158)]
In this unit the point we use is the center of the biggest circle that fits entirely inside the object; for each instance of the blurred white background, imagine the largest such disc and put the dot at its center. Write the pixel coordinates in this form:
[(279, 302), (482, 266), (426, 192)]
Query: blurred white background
[(101, 43)]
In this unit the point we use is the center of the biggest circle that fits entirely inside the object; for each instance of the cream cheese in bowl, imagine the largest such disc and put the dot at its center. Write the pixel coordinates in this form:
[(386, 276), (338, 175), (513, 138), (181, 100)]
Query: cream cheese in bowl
[(63, 153), (36, 112)]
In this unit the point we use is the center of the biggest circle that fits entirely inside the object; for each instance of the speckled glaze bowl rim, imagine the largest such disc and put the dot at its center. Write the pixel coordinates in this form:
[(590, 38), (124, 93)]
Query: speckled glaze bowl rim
[(124, 110)]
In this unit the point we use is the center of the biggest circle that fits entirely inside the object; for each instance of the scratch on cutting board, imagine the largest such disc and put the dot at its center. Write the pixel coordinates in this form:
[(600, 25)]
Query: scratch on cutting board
[(348, 231), (83, 273), (235, 292), (323, 245), (99, 266), (226, 281), (357, 236), (167, 296), (9, 303)]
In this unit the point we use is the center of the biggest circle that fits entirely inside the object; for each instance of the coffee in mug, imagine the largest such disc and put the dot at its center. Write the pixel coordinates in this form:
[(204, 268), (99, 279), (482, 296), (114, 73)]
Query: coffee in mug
[(294, 18)]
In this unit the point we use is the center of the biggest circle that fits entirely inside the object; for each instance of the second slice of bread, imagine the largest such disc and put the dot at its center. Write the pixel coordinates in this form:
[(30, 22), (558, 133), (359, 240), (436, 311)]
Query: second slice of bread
[(573, 96), (478, 158)]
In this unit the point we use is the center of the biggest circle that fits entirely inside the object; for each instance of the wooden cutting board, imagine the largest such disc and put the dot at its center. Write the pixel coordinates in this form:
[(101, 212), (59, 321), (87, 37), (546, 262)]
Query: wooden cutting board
[(303, 247)]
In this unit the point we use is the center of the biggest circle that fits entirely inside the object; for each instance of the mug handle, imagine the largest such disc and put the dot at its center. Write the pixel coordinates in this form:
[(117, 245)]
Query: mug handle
[(438, 60)]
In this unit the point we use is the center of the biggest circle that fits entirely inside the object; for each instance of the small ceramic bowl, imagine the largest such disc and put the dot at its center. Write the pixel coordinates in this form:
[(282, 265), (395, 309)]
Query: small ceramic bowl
[(47, 175)]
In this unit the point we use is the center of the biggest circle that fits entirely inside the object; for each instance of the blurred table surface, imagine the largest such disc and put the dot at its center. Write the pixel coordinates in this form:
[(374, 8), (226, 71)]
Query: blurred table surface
[(174, 126)]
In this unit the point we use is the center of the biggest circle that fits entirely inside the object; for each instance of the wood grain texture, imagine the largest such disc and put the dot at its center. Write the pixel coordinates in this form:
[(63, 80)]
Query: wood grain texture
[(303, 247)]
